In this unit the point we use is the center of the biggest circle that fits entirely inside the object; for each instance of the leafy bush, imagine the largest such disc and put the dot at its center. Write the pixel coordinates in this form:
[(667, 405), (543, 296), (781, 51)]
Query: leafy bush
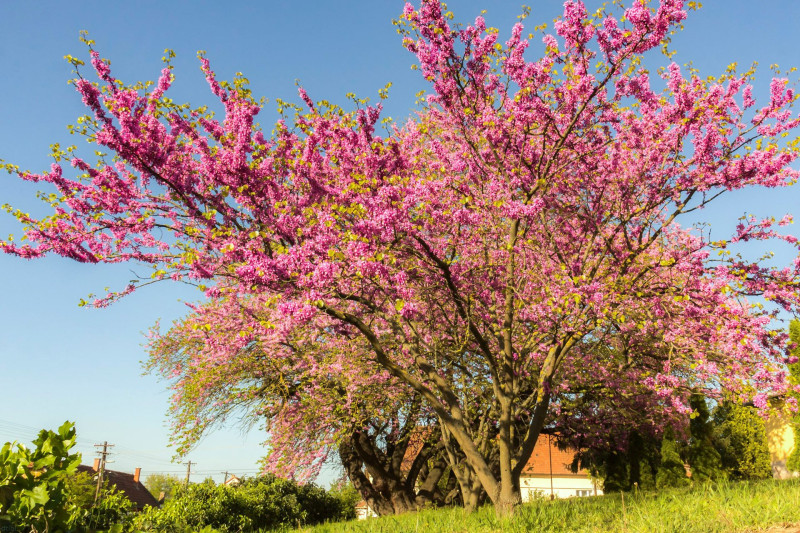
[(112, 509), (34, 484), (157, 484), (741, 439), (346, 497), (41, 491), (266, 502)]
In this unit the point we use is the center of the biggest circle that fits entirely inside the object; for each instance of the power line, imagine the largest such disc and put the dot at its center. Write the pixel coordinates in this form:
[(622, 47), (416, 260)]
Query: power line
[(25, 434)]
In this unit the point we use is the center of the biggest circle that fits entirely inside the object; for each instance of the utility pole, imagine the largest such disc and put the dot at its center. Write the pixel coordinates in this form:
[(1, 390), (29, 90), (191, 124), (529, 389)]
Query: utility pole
[(225, 478), (550, 456), (188, 471), (101, 468)]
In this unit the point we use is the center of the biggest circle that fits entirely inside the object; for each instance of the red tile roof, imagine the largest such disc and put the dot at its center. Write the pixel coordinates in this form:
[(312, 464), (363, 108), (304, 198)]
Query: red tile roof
[(545, 454), (416, 442), (133, 490)]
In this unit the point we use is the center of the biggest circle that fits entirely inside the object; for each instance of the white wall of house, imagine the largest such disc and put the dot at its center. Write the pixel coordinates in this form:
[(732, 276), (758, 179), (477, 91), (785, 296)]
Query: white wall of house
[(561, 487), (364, 511)]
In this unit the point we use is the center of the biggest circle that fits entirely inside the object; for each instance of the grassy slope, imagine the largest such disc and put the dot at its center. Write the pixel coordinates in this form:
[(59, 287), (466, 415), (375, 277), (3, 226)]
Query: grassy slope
[(715, 508)]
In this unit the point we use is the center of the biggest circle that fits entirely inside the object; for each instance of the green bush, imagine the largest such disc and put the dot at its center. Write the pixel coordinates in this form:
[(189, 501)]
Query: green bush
[(262, 503), (671, 472), (34, 484), (41, 491), (741, 439), (113, 509), (704, 459)]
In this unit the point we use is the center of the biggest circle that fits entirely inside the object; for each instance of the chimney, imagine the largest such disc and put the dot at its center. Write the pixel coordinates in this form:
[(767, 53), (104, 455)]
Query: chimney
[(136, 475), (96, 465)]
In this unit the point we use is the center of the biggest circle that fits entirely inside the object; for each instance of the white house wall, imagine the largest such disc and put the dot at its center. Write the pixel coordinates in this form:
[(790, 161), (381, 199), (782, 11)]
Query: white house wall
[(562, 487)]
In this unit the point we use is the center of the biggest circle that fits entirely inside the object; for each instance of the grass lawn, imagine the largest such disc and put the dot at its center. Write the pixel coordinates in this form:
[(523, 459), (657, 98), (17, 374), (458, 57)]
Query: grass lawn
[(726, 507)]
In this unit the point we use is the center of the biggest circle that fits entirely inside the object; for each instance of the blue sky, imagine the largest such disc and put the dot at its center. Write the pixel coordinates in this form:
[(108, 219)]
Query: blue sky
[(61, 362)]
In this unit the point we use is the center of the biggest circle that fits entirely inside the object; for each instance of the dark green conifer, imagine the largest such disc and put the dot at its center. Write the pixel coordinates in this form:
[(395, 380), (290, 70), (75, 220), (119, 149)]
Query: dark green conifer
[(704, 460), (671, 472)]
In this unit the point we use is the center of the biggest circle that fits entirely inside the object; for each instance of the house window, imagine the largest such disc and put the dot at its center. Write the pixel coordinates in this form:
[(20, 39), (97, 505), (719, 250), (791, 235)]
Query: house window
[(582, 493)]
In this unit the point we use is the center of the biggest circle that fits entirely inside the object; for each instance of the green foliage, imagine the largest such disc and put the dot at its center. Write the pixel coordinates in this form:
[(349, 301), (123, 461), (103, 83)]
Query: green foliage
[(113, 506), (266, 502), (41, 491), (709, 508), (34, 484), (793, 463), (671, 471), (741, 439), (704, 459), (731, 444), (346, 496), (634, 466), (616, 472), (112, 509), (82, 487), (162, 483)]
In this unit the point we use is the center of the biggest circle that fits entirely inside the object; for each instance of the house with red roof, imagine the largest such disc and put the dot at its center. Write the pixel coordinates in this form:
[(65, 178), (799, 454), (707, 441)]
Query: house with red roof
[(548, 474), (128, 484)]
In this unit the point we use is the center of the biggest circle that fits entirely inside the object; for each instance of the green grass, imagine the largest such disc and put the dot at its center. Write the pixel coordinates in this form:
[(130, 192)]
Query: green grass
[(726, 507)]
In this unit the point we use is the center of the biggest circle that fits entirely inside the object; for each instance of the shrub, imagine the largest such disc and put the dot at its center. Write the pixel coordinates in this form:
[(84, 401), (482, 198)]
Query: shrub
[(671, 472), (266, 502), (34, 483), (741, 439)]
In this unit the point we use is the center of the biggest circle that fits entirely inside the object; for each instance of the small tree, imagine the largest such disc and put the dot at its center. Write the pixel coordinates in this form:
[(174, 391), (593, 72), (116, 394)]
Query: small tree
[(671, 472), (384, 438), (741, 439), (158, 484), (704, 459)]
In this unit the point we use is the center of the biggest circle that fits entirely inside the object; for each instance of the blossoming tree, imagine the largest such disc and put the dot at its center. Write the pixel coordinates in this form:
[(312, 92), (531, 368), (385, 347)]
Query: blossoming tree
[(512, 246), (237, 357)]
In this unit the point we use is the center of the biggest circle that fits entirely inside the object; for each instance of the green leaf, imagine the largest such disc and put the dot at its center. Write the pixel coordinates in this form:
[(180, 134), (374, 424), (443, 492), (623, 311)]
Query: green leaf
[(38, 495)]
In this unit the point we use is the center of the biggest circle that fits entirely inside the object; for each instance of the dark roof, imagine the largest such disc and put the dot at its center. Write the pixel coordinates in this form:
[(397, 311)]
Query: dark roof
[(133, 490)]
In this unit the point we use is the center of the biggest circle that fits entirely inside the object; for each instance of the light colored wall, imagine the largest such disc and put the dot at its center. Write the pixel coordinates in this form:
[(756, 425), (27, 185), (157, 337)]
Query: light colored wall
[(365, 511), (780, 439), (562, 486)]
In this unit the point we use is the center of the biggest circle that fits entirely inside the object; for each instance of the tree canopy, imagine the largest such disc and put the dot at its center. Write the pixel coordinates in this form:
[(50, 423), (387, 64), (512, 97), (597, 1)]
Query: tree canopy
[(512, 249)]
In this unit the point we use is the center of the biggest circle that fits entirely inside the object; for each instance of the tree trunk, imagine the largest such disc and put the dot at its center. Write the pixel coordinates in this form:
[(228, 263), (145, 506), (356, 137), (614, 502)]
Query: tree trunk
[(353, 466), (385, 484), (472, 496)]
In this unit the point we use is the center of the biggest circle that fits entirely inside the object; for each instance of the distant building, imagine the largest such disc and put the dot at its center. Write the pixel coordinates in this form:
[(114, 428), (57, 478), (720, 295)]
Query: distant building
[(128, 484), (364, 511), (548, 474), (231, 481)]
